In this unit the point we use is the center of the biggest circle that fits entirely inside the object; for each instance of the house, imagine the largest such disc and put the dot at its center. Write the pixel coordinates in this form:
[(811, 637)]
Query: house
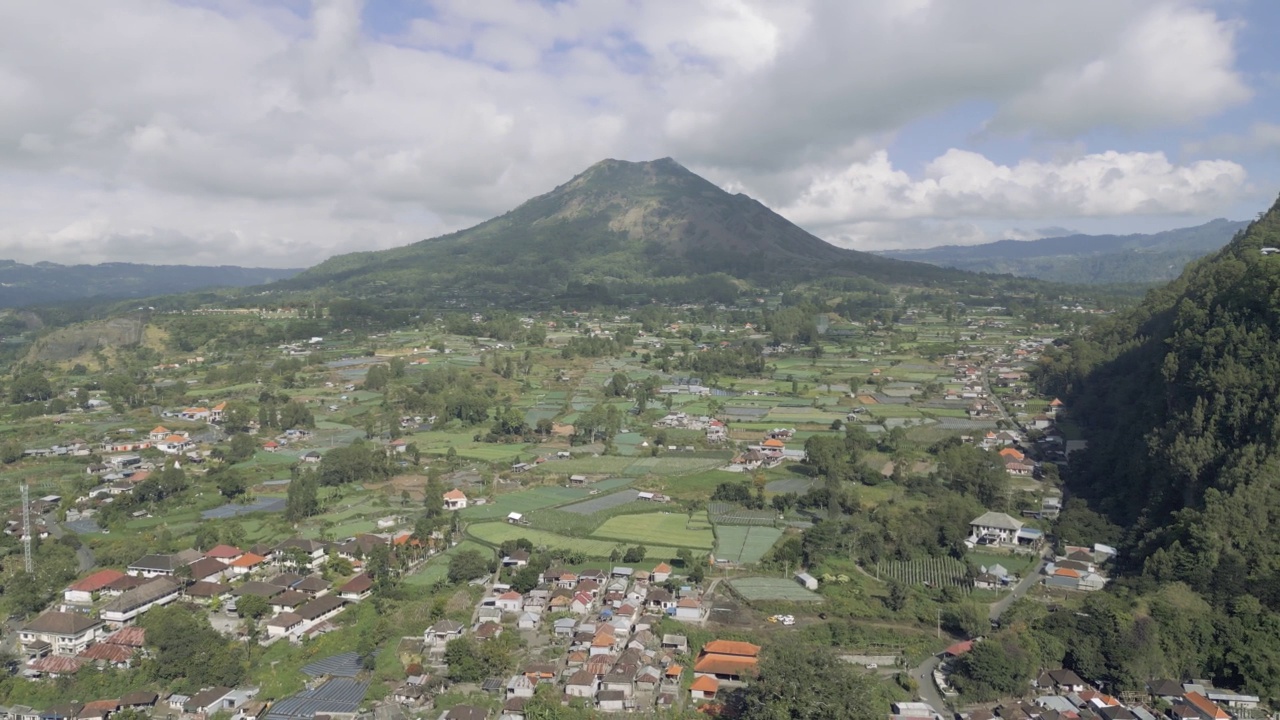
[(1063, 681), (152, 566), (704, 687), (688, 608), (289, 601), (311, 457), (994, 528), (581, 684), (465, 712), (357, 588), (517, 558), (455, 500), (520, 686), (59, 633), (209, 570), (247, 563), (205, 592), (528, 621), (135, 602), (82, 591), (322, 608), (284, 624), (140, 700), (301, 553), (488, 631), (661, 573), (225, 553), (1202, 707), (209, 701), (727, 660), (174, 444), (509, 602), (581, 603), (611, 701), (442, 632)]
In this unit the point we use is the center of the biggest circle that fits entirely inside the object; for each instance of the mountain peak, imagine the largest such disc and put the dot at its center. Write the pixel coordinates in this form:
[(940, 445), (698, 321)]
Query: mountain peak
[(618, 223)]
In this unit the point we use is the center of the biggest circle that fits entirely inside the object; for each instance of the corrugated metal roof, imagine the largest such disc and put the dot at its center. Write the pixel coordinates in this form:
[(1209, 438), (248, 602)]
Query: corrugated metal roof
[(346, 665)]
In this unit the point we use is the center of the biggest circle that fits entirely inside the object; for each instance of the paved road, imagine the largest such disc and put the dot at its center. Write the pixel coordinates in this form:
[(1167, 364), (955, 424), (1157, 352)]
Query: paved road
[(83, 555), (995, 399), (923, 673)]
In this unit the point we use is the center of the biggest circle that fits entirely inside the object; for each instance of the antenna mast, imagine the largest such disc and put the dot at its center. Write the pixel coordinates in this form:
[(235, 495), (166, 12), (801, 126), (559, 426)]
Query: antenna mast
[(26, 531)]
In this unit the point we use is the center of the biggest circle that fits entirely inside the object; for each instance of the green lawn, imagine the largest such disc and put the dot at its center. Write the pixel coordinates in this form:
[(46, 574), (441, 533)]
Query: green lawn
[(658, 529)]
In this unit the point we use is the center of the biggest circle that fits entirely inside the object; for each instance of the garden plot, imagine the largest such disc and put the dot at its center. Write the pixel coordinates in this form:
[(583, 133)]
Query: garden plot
[(524, 501), (602, 502), (728, 514), (759, 589), (931, 572), (797, 485), (744, 545)]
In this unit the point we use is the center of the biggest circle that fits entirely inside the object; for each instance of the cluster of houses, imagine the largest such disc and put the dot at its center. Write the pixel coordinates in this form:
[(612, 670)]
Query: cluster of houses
[(606, 621), (770, 452), (95, 623), (1064, 695), (716, 431), (1080, 568)]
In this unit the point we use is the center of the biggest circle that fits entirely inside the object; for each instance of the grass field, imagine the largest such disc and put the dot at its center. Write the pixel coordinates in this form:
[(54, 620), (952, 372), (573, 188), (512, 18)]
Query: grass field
[(499, 532), (744, 544), (523, 501), (671, 529), (437, 568), (758, 589)]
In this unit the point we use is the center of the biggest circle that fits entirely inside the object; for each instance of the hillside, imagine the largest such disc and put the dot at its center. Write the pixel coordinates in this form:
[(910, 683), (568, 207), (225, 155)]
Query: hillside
[(642, 228), (1178, 401), (1086, 259), (48, 283)]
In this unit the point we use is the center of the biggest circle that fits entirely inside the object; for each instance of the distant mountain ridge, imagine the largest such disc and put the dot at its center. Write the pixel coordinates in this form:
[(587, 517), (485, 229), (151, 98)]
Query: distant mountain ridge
[(1086, 259), (646, 228), (47, 283)]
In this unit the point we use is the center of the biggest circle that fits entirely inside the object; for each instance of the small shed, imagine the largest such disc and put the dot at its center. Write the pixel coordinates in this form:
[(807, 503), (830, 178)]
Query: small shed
[(808, 581)]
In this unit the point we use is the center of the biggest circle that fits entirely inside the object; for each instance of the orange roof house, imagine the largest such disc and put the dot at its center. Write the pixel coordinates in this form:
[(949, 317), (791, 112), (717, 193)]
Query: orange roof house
[(248, 561), (1055, 403), (732, 647), (773, 443), (1066, 572), (1205, 706), (1011, 453), (704, 687)]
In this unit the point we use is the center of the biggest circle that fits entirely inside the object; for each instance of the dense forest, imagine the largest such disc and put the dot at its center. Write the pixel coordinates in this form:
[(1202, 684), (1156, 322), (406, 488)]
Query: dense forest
[(1178, 401)]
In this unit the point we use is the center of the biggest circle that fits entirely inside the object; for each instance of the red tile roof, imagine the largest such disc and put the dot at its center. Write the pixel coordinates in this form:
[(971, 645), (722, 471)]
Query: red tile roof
[(731, 647), (1205, 706), (57, 664), (705, 684), (132, 636), (96, 581), (248, 560), (725, 664), (224, 552), (108, 652), (960, 648)]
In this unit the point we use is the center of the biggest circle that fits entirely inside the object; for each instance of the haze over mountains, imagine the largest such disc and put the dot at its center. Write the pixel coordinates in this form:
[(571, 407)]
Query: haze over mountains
[(1086, 259), (644, 228), (45, 283)]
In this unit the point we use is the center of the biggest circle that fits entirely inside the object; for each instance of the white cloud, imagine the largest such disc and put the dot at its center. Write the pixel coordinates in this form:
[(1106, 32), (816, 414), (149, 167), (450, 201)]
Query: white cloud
[(153, 130), (859, 203)]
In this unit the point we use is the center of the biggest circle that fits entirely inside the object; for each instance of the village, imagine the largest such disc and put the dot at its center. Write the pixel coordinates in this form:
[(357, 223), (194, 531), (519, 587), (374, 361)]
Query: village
[(638, 569)]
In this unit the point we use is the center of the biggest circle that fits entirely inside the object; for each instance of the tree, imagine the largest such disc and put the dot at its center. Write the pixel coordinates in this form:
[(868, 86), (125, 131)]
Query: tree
[(467, 565), (635, 554), (898, 596), (302, 500), (185, 646), (231, 483), (997, 667), (805, 682), (241, 448), (252, 606)]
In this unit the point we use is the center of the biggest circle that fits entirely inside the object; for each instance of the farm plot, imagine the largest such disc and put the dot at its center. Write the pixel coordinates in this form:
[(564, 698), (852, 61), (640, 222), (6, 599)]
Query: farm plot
[(758, 589), (797, 485), (602, 502), (499, 532), (743, 544), (523, 501), (932, 572), (728, 514), (658, 529)]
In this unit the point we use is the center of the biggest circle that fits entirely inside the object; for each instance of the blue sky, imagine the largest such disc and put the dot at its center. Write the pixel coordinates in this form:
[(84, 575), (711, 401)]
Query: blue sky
[(279, 132)]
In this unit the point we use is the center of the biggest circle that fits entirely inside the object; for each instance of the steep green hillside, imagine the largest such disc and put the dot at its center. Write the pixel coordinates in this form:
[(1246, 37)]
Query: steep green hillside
[(619, 227), (1086, 259), (1180, 403)]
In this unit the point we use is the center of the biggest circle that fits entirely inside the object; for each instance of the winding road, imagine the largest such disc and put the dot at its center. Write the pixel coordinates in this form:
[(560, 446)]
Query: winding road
[(923, 673)]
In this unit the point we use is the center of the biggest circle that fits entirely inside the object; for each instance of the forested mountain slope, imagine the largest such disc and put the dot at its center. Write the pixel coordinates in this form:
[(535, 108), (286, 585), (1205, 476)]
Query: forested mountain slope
[(1179, 402), (1090, 259), (644, 228)]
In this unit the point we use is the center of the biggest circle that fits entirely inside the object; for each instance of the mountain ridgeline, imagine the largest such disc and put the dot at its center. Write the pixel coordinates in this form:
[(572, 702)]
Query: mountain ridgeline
[(1180, 403), (48, 283), (638, 229), (1086, 259)]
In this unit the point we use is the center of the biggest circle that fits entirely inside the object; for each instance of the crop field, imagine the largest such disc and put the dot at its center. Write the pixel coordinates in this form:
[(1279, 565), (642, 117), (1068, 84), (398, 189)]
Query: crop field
[(728, 514), (758, 589), (602, 502), (523, 501), (934, 572), (744, 545), (603, 465), (672, 529), (797, 485), (499, 532)]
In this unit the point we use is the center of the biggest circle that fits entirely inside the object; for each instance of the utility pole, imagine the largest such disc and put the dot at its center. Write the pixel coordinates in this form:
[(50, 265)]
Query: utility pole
[(939, 623), (27, 562)]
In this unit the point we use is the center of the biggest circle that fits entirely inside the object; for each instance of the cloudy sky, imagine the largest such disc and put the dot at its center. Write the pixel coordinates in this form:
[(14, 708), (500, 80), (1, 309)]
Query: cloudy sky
[(277, 133)]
